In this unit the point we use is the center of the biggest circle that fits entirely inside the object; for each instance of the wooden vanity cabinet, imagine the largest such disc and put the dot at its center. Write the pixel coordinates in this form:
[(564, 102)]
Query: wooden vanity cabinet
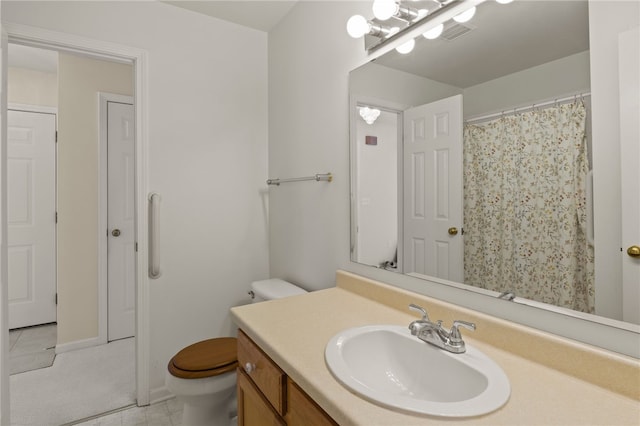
[(266, 396)]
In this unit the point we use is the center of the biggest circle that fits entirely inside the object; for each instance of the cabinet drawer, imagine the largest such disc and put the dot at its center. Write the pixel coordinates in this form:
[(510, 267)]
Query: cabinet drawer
[(266, 375)]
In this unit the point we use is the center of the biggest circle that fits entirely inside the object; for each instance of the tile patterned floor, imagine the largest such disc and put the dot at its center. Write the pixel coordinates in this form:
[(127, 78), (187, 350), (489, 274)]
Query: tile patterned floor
[(32, 348), (167, 413)]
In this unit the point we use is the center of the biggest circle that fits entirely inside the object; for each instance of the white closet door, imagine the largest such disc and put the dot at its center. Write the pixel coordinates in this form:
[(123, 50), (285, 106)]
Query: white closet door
[(31, 205), (629, 62), (433, 189), (120, 218)]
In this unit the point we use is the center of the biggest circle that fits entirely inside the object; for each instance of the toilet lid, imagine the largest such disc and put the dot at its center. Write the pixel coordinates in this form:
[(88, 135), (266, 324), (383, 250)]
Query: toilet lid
[(212, 354)]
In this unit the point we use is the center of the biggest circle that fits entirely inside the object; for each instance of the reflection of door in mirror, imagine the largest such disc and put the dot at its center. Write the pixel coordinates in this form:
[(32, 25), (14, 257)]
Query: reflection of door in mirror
[(629, 69), (375, 197), (433, 189)]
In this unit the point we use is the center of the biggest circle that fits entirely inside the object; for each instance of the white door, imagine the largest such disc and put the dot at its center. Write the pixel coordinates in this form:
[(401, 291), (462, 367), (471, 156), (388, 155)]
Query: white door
[(31, 217), (120, 220), (629, 65), (433, 243)]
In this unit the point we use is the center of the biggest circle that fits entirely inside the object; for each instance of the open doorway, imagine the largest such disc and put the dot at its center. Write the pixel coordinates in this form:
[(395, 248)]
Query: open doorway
[(82, 195)]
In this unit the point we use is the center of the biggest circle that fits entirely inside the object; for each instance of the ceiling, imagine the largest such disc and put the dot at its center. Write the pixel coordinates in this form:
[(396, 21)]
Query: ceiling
[(261, 15), (32, 58), (504, 39)]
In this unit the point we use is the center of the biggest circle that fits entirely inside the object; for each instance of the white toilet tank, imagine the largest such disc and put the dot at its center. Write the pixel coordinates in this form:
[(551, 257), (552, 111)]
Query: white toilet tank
[(274, 288)]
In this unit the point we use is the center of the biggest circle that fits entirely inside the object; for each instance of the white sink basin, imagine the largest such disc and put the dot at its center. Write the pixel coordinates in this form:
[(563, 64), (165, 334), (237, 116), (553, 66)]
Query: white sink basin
[(388, 366)]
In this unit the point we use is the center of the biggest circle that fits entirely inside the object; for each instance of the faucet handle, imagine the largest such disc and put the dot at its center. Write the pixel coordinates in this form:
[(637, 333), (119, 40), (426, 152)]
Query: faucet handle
[(420, 309), (455, 336)]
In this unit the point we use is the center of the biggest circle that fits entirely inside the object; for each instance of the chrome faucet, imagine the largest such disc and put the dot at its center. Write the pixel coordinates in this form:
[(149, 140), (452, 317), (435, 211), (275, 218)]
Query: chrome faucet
[(434, 334)]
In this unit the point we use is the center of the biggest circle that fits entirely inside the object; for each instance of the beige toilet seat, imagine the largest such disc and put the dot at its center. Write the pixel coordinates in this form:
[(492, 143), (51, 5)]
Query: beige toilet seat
[(206, 358)]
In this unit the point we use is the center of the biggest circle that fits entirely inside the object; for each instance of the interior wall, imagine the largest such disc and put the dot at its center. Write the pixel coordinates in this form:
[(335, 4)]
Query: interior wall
[(308, 134), (30, 87), (80, 79), (560, 78), (207, 88)]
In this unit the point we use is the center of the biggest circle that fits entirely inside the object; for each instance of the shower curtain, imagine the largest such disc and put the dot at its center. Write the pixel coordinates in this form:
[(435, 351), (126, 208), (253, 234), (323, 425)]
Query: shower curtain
[(525, 206)]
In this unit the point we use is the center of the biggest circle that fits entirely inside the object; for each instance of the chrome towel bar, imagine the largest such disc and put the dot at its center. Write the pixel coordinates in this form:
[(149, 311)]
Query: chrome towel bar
[(327, 177)]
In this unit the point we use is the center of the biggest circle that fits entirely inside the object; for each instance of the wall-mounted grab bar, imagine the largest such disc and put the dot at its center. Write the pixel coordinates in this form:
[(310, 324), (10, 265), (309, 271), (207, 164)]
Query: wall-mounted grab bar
[(327, 177), (154, 225)]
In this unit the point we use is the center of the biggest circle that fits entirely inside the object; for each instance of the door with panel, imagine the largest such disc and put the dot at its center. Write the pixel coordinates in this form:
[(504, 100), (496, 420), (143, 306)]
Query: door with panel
[(31, 217), (121, 220), (629, 58), (432, 224)]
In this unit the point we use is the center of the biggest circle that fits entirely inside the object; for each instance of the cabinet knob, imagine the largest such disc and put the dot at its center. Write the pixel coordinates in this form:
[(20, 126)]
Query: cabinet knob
[(249, 367)]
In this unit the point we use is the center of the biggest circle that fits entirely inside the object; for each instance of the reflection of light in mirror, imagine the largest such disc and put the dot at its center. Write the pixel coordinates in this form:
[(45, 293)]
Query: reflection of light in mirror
[(369, 115), (384, 9), (357, 26), (433, 33), (406, 47), (465, 16), (504, 1)]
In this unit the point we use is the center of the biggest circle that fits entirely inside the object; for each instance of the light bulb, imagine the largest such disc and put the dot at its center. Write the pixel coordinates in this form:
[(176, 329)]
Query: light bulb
[(421, 14), (406, 47), (357, 26), (466, 15), (504, 1), (392, 31), (433, 33), (384, 9)]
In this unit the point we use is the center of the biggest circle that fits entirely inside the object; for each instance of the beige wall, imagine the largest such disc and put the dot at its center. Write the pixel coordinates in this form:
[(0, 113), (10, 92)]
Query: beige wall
[(31, 87), (79, 81)]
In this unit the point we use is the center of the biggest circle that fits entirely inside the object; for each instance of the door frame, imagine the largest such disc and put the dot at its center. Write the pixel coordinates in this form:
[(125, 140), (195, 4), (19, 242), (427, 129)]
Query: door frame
[(103, 204), (37, 37)]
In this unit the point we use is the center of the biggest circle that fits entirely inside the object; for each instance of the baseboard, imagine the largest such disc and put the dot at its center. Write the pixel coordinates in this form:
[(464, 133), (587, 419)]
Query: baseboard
[(159, 394), (78, 344)]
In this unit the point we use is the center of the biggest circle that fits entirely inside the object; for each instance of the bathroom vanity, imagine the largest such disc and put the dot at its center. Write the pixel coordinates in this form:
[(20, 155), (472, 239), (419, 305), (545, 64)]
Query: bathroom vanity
[(553, 380), (266, 396)]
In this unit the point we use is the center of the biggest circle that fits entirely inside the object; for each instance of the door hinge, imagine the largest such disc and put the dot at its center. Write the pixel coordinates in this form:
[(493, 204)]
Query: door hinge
[(56, 298), (56, 217), (136, 246), (461, 231), (56, 136)]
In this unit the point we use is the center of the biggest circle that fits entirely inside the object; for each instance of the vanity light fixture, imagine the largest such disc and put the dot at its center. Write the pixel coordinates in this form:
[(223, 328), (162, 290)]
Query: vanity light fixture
[(358, 26), (385, 9), (433, 33), (465, 16), (369, 115), (406, 47)]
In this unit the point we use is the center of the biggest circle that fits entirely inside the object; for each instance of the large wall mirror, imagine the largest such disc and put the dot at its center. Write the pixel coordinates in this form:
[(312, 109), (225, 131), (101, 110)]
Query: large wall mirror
[(472, 161)]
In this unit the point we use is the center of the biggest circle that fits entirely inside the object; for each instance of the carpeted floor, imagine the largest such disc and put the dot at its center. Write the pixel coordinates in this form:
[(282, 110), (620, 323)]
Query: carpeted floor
[(78, 385)]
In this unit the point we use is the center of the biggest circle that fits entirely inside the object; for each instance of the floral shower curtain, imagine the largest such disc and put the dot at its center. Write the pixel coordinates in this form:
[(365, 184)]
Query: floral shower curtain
[(525, 206)]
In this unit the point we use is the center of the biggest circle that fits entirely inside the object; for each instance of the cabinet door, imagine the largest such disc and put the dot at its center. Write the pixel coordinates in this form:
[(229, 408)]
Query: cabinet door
[(302, 411), (253, 407)]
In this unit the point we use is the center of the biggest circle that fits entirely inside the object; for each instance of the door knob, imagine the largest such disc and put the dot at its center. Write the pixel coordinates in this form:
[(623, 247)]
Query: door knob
[(115, 232), (453, 231), (633, 251)]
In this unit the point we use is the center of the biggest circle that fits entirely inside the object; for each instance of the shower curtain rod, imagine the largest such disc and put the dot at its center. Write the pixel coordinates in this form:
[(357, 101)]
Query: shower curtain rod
[(511, 111)]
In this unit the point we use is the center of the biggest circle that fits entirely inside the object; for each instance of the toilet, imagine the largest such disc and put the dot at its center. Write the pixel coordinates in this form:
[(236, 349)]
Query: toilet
[(203, 375)]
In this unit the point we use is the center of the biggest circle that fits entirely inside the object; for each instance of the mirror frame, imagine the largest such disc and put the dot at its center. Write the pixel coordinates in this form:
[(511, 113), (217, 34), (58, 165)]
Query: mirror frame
[(613, 335)]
